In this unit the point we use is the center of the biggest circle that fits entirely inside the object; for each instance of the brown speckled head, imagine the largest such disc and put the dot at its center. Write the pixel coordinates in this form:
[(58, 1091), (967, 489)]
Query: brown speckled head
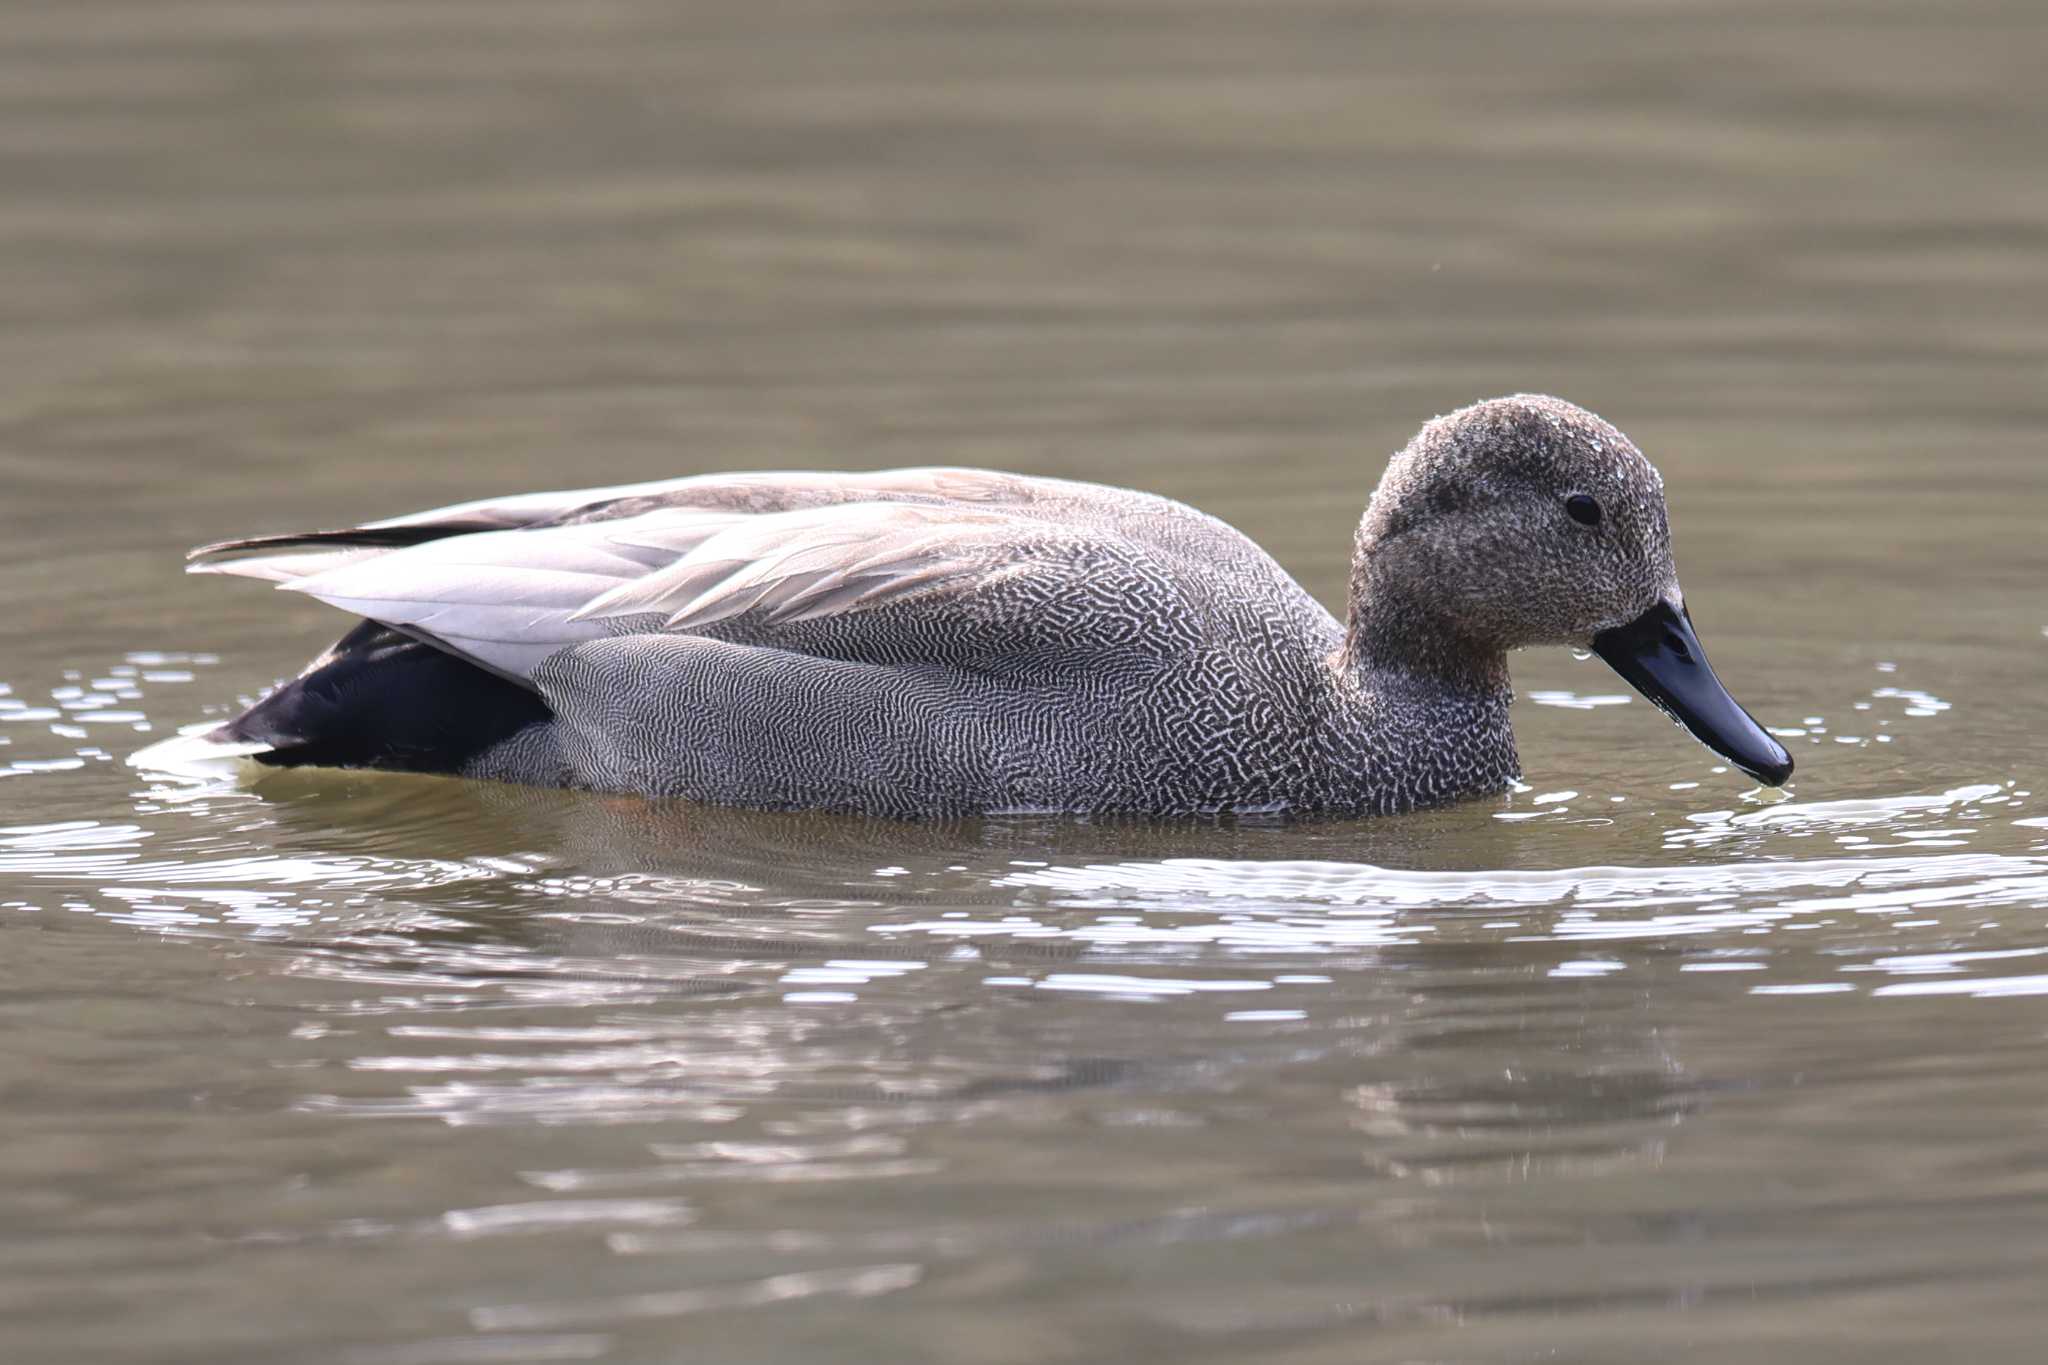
[(1517, 521), (1528, 521)]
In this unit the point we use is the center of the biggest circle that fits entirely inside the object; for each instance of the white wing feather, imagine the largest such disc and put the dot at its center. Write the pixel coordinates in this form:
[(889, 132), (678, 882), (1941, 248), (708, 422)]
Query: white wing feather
[(280, 559), (509, 599)]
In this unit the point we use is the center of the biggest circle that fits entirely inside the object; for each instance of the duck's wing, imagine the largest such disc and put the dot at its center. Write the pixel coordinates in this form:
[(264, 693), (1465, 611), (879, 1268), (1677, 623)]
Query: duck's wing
[(295, 554), (508, 598)]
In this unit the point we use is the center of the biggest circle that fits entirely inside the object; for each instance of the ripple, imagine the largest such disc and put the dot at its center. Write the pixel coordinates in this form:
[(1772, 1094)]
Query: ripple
[(704, 1031), (488, 1350), (547, 1215), (856, 1282)]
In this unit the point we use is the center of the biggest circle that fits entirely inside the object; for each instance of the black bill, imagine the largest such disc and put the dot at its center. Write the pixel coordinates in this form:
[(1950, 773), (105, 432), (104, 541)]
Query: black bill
[(1661, 658)]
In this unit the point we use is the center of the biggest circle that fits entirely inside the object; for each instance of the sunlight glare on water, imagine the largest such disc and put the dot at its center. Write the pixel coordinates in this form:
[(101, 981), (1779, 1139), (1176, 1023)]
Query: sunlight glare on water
[(691, 1030)]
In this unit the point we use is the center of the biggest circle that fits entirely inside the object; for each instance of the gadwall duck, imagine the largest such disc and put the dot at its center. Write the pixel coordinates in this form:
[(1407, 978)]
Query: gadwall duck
[(931, 642)]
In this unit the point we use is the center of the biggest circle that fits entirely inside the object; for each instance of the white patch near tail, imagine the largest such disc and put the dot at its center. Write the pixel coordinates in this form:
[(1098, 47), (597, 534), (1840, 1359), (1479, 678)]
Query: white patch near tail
[(189, 753)]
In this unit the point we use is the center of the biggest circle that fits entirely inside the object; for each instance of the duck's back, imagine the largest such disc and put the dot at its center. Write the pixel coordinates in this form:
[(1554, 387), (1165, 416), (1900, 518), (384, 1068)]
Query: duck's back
[(909, 642)]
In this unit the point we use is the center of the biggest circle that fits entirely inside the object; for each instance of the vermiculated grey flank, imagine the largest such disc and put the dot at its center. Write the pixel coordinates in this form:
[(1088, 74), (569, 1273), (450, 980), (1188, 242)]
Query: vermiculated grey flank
[(951, 641)]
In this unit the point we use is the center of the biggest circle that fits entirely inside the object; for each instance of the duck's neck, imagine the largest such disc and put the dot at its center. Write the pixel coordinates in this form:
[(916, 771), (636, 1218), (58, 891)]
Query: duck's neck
[(1433, 705), (1377, 663), (1395, 638)]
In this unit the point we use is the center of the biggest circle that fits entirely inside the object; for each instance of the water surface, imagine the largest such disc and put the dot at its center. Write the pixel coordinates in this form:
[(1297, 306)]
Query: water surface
[(1638, 1063)]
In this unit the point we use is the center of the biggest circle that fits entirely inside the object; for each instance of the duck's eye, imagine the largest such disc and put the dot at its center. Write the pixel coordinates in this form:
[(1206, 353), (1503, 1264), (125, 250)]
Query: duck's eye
[(1582, 509)]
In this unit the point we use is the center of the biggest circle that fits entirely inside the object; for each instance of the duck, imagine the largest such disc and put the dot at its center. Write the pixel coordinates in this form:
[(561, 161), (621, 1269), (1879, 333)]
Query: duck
[(941, 642)]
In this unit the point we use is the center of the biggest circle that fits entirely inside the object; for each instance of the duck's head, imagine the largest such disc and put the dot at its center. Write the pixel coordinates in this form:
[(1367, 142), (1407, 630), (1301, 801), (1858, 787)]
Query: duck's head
[(1529, 521)]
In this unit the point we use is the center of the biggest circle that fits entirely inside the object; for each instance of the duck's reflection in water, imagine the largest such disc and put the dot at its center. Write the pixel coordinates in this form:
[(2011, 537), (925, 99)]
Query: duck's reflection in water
[(846, 975)]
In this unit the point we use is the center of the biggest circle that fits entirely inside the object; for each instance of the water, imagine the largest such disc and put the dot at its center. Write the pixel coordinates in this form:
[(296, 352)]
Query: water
[(1636, 1064)]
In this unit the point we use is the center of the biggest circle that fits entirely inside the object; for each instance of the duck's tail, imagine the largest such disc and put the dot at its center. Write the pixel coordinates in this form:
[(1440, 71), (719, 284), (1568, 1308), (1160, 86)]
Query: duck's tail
[(376, 699)]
